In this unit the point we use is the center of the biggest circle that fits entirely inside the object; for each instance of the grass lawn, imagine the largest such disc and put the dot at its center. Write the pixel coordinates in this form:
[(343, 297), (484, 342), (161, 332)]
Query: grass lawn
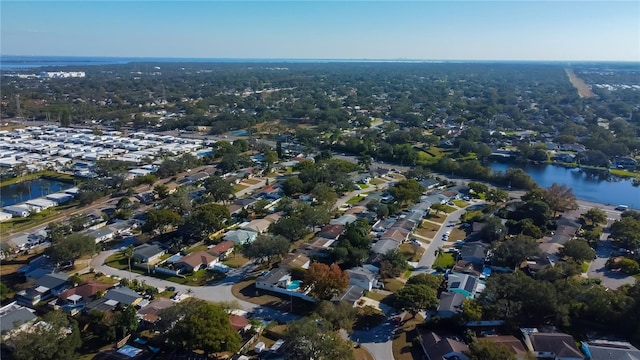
[(355, 200), (449, 209), (397, 176), (199, 278), (428, 229), (585, 267), (201, 247), (376, 295), (457, 234), (377, 181), (166, 294), (440, 218), (102, 278), (444, 260), (235, 260), (461, 203), (624, 173), (251, 181), (392, 285), (411, 252), (363, 186), (402, 346), (238, 187)]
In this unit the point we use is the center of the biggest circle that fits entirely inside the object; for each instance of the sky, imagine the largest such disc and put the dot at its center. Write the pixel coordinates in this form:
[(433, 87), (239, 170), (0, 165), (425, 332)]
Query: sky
[(420, 30)]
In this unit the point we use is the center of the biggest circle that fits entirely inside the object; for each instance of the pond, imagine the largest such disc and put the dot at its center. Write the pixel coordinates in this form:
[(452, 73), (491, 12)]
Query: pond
[(587, 185), (30, 189)]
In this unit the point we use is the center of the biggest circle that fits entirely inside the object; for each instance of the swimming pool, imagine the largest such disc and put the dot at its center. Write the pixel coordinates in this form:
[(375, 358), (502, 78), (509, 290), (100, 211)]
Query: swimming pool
[(294, 285)]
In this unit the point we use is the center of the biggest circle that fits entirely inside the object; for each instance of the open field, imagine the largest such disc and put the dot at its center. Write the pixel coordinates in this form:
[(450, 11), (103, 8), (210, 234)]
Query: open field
[(584, 91)]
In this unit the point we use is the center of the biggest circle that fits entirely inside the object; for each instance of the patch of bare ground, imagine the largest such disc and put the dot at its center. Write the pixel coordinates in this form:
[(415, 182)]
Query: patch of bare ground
[(584, 91)]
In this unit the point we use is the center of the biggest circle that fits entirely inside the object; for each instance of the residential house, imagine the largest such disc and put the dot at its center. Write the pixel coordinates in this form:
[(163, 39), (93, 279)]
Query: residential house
[(344, 220), (279, 280), (331, 231), (14, 317), (468, 267), (437, 199), (351, 295), (258, 225), (101, 235), (450, 304), (120, 227), (396, 234), (610, 350), (404, 224), (296, 260), (362, 277), (113, 297), (510, 342), (222, 249), (49, 285), (274, 217), (474, 252), (5, 216), (150, 314), (17, 210), (556, 346), (573, 147), (436, 347), (148, 253), (381, 247), (239, 323), (196, 261), (240, 237), (464, 284), (429, 183), (37, 268), (84, 292), (317, 247)]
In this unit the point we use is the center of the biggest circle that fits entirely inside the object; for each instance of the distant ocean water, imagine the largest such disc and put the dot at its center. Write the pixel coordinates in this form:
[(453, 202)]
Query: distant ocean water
[(19, 62)]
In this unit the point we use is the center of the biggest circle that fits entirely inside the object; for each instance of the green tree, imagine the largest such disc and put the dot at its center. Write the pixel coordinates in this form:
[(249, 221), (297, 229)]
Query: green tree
[(205, 327), (292, 186), (325, 195), (471, 310), (71, 247), (270, 157), (267, 247), (205, 220), (497, 195), (511, 252), (595, 216), (560, 198), (493, 230), (438, 207), (625, 232), (578, 250), (416, 297), (393, 264), (161, 190), (161, 220), (325, 281), (219, 188), (430, 280), (128, 253), (306, 339), (56, 338), (291, 227), (407, 191), (339, 316), (486, 350), (478, 188), (4, 291)]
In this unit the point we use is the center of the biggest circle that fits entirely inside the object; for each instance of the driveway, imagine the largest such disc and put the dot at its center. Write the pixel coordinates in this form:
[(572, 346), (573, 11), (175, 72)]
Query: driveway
[(218, 292), (598, 270), (429, 256)]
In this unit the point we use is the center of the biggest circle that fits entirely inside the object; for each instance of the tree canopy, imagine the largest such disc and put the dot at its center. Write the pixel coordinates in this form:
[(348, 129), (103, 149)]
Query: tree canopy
[(57, 337), (71, 247), (306, 339), (325, 281)]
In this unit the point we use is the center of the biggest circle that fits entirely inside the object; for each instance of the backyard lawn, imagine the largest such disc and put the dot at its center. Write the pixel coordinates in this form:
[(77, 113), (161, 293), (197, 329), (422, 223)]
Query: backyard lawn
[(444, 260), (440, 218), (411, 252), (461, 203)]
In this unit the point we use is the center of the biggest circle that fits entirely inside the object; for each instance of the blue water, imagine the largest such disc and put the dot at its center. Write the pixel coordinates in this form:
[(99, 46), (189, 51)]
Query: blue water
[(294, 285), (31, 189), (239, 133), (586, 186)]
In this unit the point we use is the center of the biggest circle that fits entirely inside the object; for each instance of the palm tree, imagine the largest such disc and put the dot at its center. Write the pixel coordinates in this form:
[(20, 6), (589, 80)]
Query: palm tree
[(128, 252)]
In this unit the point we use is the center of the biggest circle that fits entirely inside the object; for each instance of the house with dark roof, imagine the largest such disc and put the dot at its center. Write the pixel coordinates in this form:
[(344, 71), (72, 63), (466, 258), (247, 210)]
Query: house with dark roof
[(148, 253), (123, 295), (362, 277), (101, 235), (351, 295), (196, 261), (383, 246), (557, 346), (45, 287), (510, 342), (399, 235), (14, 317), (464, 284), (331, 231), (344, 220), (468, 267), (450, 304), (296, 260), (436, 347), (474, 252), (610, 350)]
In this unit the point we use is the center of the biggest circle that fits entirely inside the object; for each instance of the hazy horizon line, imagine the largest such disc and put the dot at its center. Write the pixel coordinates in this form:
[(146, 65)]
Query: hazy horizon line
[(399, 59)]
